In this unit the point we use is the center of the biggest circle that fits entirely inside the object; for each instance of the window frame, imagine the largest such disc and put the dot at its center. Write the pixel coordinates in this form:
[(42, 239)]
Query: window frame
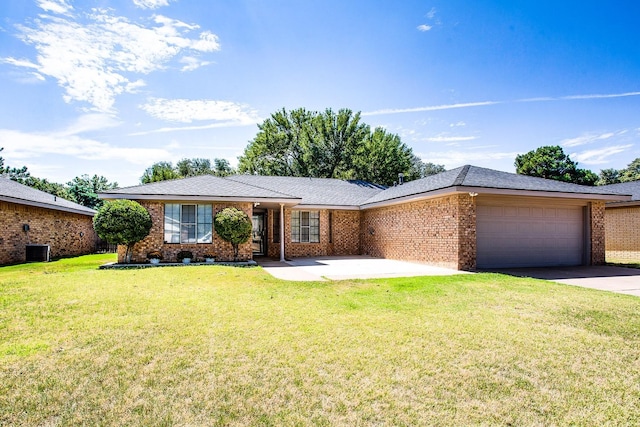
[(303, 225), (176, 227)]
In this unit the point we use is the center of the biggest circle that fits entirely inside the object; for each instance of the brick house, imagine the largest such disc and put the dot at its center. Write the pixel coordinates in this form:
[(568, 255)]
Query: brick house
[(32, 217), (622, 224), (465, 218)]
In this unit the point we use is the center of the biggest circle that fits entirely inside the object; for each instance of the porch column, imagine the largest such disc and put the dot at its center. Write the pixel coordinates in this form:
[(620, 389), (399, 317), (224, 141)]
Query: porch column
[(281, 232)]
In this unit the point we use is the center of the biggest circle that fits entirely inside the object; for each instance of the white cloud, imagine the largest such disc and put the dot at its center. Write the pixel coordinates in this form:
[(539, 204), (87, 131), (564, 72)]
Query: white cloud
[(25, 145), (589, 138), (442, 138), (95, 56), (487, 103), (186, 111), (585, 139), (424, 27), (150, 4), (457, 124), (430, 108), (192, 63), (432, 13), (599, 156), (56, 6)]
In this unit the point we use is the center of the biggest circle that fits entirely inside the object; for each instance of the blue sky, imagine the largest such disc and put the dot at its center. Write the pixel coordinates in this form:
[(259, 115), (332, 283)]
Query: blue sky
[(110, 87)]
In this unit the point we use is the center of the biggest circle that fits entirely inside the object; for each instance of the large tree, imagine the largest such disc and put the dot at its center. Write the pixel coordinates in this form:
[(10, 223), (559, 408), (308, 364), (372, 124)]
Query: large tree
[(328, 144), (85, 189), (552, 163)]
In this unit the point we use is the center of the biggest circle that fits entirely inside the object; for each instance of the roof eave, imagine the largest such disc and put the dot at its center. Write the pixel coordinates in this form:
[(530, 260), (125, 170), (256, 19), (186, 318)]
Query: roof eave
[(496, 191), (46, 205), (630, 203)]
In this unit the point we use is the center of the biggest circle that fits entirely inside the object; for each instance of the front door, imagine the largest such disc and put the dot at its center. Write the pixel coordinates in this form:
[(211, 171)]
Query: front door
[(258, 235)]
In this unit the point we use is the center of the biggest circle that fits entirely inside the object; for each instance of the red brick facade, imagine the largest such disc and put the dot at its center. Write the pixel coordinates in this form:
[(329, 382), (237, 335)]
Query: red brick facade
[(339, 235), (68, 234), (155, 240), (436, 231), (439, 231), (622, 227)]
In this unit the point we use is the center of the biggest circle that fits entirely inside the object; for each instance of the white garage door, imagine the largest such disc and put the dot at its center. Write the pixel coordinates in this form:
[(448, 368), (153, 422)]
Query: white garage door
[(529, 235)]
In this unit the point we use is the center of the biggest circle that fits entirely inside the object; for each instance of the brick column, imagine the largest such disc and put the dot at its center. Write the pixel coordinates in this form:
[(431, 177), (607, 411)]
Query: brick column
[(596, 210)]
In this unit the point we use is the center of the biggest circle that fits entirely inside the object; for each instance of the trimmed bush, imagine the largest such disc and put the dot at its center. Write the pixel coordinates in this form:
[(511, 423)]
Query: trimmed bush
[(122, 222), (233, 226)]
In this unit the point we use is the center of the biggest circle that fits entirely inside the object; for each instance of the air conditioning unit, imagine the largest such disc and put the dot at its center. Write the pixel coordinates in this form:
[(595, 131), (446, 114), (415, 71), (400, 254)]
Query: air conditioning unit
[(38, 253)]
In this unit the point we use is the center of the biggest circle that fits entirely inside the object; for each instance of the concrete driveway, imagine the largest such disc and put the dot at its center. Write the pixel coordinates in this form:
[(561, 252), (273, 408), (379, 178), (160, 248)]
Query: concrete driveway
[(604, 277), (351, 267)]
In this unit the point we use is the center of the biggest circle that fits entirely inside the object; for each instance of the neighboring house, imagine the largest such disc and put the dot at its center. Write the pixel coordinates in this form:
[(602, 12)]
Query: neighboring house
[(32, 217), (465, 218), (622, 224)]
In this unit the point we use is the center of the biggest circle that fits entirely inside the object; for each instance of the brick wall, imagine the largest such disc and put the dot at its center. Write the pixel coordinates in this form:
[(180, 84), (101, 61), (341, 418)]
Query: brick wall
[(60, 230), (597, 233), (622, 230), (344, 238), (155, 240), (436, 231)]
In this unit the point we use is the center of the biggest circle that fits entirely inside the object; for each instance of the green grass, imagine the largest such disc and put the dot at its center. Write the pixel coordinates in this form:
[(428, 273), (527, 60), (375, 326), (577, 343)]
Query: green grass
[(217, 345)]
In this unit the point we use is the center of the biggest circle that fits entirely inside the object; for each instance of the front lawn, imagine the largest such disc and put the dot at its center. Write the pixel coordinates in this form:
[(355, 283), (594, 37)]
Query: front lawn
[(217, 345)]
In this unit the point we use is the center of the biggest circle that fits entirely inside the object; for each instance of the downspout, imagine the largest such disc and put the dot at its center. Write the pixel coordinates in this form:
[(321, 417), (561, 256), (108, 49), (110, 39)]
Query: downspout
[(281, 232)]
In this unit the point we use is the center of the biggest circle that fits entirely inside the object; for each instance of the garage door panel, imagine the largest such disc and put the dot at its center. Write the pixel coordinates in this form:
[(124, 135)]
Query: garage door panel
[(524, 236)]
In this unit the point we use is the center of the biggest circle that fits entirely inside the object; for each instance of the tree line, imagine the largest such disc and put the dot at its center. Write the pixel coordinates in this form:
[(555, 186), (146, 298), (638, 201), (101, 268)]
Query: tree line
[(82, 189), (552, 163), (326, 144)]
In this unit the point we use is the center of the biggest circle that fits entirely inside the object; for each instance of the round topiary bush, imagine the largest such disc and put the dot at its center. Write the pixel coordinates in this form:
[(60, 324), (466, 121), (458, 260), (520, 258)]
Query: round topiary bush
[(233, 226), (122, 222)]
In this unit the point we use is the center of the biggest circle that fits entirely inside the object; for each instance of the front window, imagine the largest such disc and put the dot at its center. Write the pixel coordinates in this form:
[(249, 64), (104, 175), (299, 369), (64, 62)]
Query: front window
[(188, 223), (305, 226)]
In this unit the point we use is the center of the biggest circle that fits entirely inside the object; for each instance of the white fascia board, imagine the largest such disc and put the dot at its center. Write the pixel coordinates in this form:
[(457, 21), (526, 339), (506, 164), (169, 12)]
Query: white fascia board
[(534, 193), (46, 206), (631, 203)]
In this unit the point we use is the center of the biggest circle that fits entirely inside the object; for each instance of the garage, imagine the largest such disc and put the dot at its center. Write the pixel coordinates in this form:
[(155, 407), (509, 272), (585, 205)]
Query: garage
[(527, 233)]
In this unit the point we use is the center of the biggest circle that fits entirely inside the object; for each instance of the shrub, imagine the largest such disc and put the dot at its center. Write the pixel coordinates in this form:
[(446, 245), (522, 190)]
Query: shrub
[(154, 255), (122, 222), (233, 226), (184, 254)]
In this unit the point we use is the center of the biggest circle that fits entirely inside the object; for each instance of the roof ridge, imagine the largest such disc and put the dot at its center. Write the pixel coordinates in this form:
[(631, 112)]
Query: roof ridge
[(462, 175), (230, 178)]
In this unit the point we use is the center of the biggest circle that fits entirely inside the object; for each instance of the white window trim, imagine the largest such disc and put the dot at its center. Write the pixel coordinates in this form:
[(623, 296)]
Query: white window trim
[(180, 224), (300, 226)]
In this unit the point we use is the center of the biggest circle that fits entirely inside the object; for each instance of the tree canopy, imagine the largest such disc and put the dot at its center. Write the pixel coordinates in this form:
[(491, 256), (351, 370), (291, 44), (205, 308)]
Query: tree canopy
[(233, 226), (122, 222), (552, 163), (329, 144), (162, 171), (614, 176), (85, 189)]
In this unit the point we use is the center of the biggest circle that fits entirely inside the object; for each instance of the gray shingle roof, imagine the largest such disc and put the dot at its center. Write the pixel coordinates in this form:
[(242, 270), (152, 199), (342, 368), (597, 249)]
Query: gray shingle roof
[(473, 176), (315, 191), (632, 188), (335, 192), (15, 192), (203, 185)]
